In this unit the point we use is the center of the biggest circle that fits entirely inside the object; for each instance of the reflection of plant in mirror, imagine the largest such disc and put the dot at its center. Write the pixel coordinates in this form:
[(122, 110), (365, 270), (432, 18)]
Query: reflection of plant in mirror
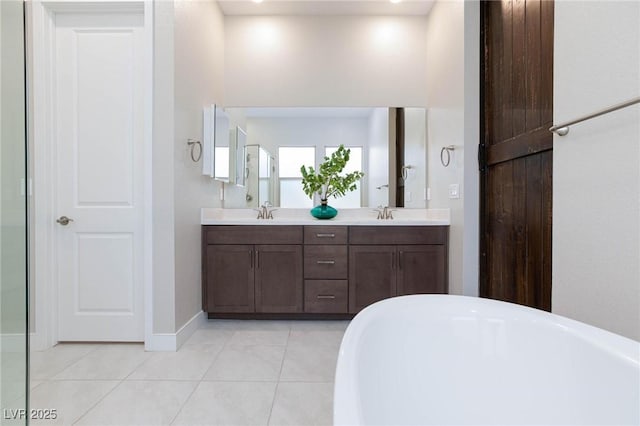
[(327, 181)]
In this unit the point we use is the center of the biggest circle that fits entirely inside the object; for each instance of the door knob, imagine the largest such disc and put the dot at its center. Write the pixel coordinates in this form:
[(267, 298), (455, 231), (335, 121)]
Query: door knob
[(63, 220)]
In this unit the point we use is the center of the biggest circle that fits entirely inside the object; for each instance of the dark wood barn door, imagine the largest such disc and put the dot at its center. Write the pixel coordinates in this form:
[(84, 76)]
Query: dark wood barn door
[(516, 151)]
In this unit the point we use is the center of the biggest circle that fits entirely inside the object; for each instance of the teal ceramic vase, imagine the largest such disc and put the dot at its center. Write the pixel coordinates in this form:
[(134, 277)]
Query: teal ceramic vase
[(323, 211)]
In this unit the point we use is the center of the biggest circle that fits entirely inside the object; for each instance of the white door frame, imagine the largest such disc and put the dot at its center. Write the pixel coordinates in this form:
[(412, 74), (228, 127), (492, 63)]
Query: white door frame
[(41, 94)]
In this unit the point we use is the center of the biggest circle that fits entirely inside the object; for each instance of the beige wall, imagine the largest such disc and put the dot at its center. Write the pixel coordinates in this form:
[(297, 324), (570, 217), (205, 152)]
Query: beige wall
[(325, 61), (446, 122), (199, 69), (596, 167), (188, 74), (162, 170), (471, 189)]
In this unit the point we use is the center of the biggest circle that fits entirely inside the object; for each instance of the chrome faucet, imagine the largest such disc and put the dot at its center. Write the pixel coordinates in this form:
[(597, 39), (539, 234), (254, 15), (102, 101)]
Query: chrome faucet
[(384, 213), (265, 212)]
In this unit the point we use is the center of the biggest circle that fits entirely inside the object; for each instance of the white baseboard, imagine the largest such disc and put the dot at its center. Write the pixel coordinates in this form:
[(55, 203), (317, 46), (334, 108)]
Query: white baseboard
[(189, 328), (171, 342)]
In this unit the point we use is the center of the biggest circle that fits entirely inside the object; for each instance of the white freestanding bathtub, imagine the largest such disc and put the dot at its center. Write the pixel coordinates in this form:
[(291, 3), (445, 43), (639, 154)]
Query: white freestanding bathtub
[(454, 360)]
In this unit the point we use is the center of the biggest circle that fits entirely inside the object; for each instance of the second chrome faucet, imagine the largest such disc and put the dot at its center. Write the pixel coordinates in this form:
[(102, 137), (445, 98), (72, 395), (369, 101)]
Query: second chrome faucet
[(384, 213), (265, 212)]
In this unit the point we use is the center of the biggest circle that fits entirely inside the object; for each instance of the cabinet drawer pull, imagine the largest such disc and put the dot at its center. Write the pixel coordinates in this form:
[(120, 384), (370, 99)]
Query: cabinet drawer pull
[(326, 235), (326, 262), (257, 259), (400, 260), (326, 296)]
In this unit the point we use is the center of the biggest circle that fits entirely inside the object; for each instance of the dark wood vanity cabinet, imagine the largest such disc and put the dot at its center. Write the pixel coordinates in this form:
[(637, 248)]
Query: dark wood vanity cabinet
[(372, 275), (224, 264), (326, 269), (421, 269), (395, 261), (318, 270), (278, 278), (248, 278)]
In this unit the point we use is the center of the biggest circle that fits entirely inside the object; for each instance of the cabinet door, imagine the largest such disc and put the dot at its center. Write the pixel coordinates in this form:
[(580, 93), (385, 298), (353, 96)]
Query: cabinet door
[(278, 278), (372, 275), (229, 279), (422, 269)]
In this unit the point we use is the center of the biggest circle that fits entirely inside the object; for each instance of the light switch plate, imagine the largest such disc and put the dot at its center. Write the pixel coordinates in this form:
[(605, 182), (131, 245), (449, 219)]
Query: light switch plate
[(454, 190)]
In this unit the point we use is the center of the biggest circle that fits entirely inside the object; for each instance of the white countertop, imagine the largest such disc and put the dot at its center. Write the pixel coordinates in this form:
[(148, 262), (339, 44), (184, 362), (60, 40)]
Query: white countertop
[(352, 217)]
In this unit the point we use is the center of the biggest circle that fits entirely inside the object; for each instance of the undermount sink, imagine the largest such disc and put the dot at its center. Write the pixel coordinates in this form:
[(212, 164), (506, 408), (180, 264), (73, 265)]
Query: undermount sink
[(361, 216)]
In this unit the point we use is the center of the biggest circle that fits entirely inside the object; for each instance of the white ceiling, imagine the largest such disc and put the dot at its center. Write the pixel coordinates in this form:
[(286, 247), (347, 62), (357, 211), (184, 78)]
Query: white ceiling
[(326, 7)]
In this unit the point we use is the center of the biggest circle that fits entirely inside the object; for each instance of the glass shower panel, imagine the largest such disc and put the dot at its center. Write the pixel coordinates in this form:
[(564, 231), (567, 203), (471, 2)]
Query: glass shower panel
[(13, 231)]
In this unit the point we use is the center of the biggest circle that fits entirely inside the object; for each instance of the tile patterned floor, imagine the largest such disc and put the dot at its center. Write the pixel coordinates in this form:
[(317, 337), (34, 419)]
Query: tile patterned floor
[(228, 373)]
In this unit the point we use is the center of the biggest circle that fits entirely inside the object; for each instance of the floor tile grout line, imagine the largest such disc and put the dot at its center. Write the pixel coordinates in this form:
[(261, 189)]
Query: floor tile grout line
[(133, 370), (116, 379), (185, 402), (95, 349), (98, 402), (195, 382), (224, 346), (275, 392), (67, 365)]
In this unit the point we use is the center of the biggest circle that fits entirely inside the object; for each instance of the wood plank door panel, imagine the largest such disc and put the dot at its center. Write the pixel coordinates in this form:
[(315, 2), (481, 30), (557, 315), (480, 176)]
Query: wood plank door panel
[(516, 158)]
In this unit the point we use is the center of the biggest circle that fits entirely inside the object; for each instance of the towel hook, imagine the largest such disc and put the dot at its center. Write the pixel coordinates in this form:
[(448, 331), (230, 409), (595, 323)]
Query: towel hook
[(405, 172), (445, 160), (192, 143)]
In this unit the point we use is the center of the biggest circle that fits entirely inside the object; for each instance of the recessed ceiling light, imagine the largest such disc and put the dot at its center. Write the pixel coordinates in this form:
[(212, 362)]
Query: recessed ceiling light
[(395, 1), (257, 1)]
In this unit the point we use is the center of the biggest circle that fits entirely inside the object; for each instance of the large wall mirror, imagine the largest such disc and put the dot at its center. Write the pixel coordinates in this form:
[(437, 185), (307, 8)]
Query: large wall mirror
[(393, 158)]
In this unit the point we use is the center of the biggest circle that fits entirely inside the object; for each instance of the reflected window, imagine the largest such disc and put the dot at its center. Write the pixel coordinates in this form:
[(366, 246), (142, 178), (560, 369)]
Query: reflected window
[(290, 160)]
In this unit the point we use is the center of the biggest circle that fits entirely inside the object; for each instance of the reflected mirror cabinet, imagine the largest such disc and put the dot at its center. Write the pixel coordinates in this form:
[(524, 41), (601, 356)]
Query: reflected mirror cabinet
[(263, 149)]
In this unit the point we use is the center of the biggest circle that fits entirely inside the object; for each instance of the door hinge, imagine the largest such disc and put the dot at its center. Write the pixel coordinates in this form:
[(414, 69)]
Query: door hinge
[(482, 157)]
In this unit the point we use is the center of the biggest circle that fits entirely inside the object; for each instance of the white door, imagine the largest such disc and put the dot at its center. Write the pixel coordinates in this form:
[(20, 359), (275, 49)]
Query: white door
[(99, 142)]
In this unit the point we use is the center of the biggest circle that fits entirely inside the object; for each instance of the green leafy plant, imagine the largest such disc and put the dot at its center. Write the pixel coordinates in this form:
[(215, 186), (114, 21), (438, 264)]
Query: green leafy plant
[(327, 181)]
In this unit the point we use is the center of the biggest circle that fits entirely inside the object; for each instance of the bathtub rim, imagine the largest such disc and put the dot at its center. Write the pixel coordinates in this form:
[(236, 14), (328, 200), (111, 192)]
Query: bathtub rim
[(345, 384)]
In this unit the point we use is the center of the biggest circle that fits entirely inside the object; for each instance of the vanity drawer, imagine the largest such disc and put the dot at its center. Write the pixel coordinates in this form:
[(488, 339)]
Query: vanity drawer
[(325, 235), (395, 235), (325, 296), (252, 234), (325, 262)]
